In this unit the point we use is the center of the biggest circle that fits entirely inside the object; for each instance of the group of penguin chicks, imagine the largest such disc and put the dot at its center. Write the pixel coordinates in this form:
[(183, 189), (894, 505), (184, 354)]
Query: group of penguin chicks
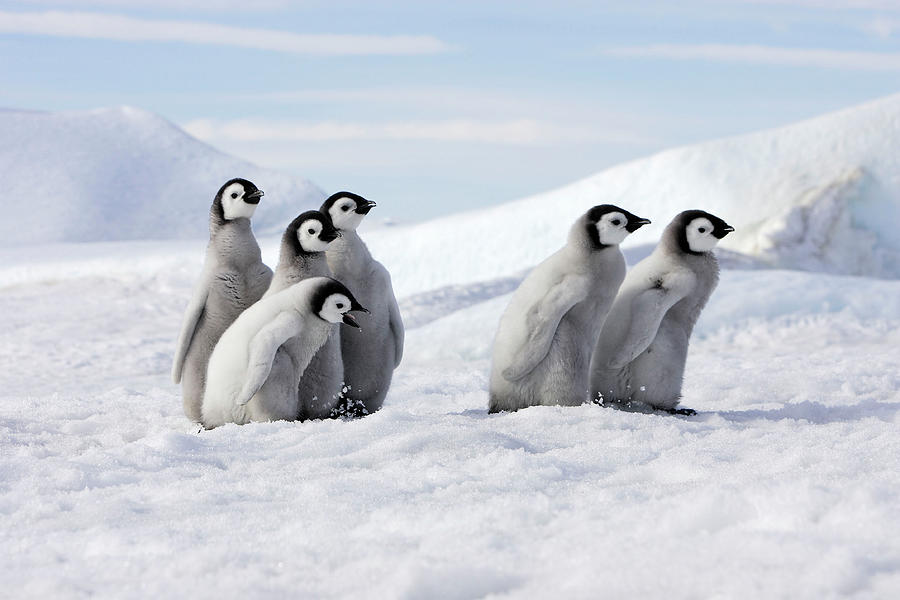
[(578, 329), (258, 346)]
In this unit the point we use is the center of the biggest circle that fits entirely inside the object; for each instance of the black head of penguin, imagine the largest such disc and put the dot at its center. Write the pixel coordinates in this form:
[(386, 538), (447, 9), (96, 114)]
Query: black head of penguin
[(681, 222), (593, 216), (328, 233), (251, 195), (360, 205), (327, 289)]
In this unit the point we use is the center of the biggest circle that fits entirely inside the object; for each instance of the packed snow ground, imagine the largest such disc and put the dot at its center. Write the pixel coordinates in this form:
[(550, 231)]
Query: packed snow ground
[(786, 484)]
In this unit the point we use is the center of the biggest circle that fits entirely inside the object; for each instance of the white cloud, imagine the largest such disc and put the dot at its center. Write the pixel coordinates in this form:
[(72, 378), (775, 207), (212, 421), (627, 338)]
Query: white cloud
[(882, 27), (117, 27), (520, 132), (831, 4), (194, 5), (770, 55)]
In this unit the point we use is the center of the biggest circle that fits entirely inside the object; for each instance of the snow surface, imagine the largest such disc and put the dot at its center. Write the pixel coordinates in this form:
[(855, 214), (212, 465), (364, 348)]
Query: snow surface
[(123, 174), (786, 484)]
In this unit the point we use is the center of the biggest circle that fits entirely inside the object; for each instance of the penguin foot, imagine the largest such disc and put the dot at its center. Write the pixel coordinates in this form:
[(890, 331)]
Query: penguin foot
[(348, 408), (684, 412)]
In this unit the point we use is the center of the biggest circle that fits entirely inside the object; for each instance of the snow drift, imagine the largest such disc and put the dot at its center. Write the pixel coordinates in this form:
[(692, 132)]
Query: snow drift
[(820, 195), (122, 174)]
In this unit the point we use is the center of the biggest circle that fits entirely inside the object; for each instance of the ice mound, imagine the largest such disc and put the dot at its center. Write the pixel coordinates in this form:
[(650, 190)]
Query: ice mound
[(122, 174), (821, 195)]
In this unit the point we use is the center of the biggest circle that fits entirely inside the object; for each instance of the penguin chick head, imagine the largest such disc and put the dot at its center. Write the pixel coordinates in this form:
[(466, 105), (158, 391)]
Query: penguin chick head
[(237, 198), (309, 232), (333, 303), (609, 225), (700, 231), (346, 209)]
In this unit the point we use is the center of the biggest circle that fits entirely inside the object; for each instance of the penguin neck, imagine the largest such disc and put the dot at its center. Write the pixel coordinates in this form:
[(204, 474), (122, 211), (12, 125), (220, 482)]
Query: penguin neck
[(234, 243), (582, 243), (673, 243), (348, 254), (293, 267)]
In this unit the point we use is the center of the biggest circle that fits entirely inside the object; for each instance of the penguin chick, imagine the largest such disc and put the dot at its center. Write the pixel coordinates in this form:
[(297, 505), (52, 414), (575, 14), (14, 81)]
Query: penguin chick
[(640, 356), (302, 256), (233, 278), (371, 354), (544, 341), (242, 360)]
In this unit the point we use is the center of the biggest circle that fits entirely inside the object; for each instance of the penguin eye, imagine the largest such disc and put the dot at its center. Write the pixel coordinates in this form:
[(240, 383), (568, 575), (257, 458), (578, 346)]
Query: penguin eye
[(345, 207), (702, 230), (340, 305), (234, 194), (616, 222), (311, 231)]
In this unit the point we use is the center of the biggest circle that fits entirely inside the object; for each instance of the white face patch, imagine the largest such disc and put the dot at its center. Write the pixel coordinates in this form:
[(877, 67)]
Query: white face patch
[(700, 236), (308, 236), (334, 308), (233, 204), (611, 228), (343, 214)]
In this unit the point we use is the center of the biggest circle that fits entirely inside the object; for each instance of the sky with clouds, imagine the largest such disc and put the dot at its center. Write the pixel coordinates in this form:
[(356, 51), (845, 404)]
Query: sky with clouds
[(435, 107)]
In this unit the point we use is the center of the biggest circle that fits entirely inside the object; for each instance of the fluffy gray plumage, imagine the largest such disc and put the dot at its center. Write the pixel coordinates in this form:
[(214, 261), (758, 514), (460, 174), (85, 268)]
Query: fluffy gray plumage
[(239, 388), (371, 353), (543, 345), (640, 356), (233, 278), (302, 256)]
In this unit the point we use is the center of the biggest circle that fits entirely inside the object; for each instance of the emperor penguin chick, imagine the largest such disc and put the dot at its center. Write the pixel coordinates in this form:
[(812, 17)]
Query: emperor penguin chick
[(371, 353), (544, 341), (233, 278), (240, 365), (303, 256), (640, 356)]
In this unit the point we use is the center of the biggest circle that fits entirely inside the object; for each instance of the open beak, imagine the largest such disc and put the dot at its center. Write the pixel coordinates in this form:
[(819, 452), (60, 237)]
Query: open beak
[(636, 224), (253, 197), (350, 319), (365, 208)]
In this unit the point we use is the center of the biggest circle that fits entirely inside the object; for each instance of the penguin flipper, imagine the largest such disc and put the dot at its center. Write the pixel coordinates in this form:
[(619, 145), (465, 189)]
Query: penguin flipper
[(396, 324), (188, 327), (542, 321), (647, 311), (262, 349)]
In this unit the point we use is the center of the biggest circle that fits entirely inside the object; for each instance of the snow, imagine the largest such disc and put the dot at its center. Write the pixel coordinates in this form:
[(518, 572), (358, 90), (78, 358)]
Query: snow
[(821, 195), (123, 174), (786, 484)]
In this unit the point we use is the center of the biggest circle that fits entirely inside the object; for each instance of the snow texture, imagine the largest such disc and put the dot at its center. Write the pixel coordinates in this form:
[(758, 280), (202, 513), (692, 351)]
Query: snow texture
[(123, 174), (786, 484)]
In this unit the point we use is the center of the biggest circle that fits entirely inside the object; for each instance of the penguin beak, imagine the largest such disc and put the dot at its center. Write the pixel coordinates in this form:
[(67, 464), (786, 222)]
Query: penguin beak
[(350, 319), (365, 208), (636, 224), (722, 232), (330, 236), (253, 197)]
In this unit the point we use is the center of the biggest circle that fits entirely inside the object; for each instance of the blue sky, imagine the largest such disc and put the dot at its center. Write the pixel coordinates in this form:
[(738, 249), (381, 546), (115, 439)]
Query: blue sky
[(430, 108)]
